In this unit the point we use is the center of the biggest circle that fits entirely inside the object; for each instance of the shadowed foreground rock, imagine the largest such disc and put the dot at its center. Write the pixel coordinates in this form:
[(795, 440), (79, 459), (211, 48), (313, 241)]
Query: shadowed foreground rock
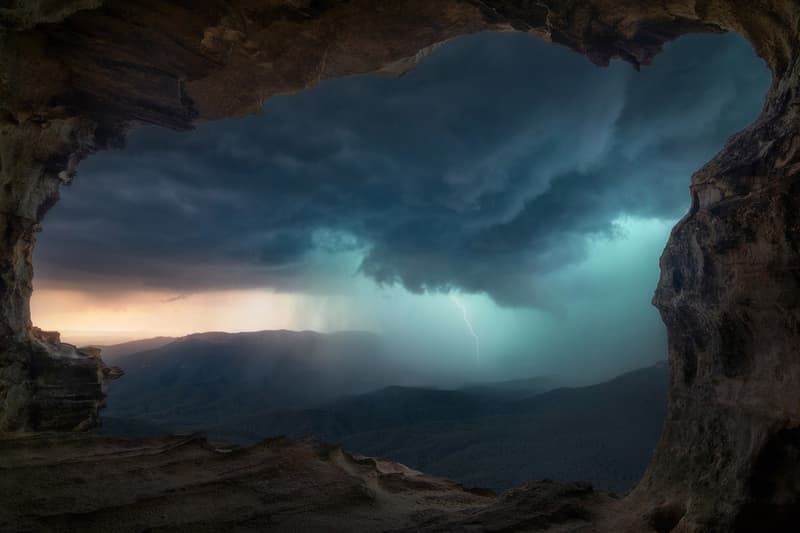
[(75, 76), (85, 483)]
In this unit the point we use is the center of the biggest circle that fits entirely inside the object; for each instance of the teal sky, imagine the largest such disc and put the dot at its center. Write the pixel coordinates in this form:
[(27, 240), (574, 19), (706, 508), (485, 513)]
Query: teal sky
[(537, 189)]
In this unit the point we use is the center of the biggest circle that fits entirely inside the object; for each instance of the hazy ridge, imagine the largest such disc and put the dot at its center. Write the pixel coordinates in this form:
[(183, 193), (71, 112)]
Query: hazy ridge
[(249, 386)]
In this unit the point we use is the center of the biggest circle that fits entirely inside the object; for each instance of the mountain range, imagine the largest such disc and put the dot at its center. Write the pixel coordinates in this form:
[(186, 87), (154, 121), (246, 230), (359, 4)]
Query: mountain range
[(338, 387)]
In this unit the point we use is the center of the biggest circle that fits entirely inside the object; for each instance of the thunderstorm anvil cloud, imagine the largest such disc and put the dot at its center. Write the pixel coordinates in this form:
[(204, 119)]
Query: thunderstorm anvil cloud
[(486, 166)]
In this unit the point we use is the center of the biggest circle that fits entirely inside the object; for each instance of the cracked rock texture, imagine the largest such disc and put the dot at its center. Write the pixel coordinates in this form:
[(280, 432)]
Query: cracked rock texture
[(185, 483), (76, 75)]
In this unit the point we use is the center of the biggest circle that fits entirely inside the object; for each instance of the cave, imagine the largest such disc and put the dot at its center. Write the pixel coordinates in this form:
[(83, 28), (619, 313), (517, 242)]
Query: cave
[(77, 76)]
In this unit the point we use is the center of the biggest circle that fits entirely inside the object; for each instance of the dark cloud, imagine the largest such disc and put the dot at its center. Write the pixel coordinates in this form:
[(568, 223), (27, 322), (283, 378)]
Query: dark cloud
[(487, 165)]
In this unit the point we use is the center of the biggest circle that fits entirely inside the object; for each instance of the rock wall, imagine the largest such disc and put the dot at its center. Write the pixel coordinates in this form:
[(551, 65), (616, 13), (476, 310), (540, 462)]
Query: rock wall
[(75, 78), (44, 384), (729, 294)]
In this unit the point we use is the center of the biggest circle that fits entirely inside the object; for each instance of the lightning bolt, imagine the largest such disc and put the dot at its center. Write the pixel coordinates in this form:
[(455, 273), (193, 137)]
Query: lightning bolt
[(474, 335)]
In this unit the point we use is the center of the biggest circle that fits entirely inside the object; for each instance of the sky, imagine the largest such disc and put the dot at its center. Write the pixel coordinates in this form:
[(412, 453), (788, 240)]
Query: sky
[(502, 175)]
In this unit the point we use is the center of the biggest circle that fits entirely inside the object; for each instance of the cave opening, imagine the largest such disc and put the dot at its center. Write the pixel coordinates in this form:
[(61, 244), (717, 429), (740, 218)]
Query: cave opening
[(490, 223), (76, 77)]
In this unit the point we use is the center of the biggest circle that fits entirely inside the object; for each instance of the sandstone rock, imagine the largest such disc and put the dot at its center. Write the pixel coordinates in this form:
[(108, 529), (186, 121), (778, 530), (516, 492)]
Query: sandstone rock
[(81, 482), (75, 78), (49, 337), (91, 351)]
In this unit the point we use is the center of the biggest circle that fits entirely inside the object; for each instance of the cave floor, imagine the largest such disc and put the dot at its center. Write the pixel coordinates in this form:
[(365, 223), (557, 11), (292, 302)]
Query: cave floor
[(88, 483)]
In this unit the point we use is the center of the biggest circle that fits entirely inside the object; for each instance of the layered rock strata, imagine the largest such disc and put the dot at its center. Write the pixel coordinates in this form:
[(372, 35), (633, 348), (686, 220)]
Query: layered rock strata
[(76, 76), (185, 483)]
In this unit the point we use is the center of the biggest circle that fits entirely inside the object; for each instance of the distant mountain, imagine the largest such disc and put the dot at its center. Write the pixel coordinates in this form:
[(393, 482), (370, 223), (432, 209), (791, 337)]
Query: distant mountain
[(245, 387), (517, 388), (207, 380), (603, 433), (112, 354)]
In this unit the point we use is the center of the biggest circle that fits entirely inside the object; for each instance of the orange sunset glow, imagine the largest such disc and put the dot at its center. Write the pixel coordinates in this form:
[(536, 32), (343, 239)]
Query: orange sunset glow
[(84, 317)]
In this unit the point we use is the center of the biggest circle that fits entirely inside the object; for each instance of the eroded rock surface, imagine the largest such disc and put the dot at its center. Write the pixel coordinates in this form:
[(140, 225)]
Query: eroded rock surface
[(75, 77), (50, 385), (79, 482)]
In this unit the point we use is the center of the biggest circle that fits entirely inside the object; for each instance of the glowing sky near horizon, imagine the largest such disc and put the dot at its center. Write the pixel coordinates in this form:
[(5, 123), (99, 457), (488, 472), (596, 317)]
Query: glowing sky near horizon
[(538, 188), (590, 295)]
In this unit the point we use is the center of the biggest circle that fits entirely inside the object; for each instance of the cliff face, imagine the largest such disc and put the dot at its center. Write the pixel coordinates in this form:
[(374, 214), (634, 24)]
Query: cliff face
[(75, 78), (729, 294)]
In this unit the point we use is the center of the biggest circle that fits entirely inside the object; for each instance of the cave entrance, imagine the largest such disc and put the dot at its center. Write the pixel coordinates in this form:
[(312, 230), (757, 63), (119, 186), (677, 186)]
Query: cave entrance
[(429, 268)]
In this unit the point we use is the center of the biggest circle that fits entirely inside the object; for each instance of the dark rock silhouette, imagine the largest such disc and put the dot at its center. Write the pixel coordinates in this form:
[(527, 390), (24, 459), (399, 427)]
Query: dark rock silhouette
[(75, 76)]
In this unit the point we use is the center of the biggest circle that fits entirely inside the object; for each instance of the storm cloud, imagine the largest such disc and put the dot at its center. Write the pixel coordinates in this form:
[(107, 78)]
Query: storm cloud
[(485, 169)]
